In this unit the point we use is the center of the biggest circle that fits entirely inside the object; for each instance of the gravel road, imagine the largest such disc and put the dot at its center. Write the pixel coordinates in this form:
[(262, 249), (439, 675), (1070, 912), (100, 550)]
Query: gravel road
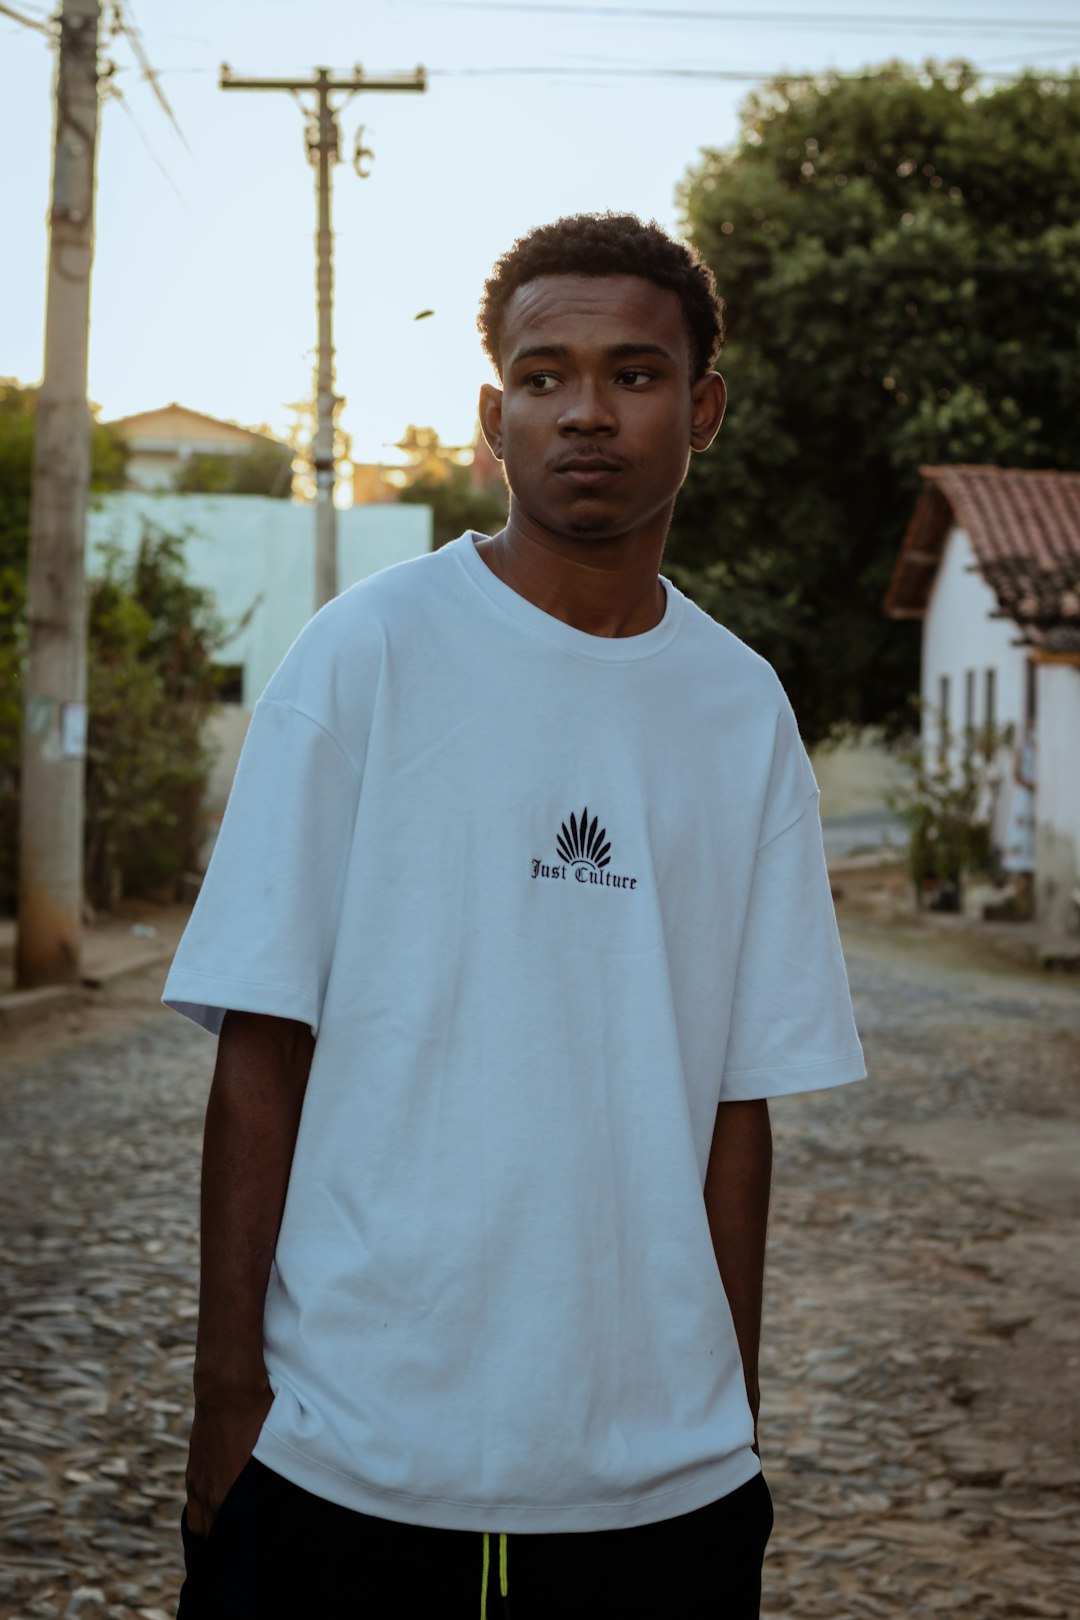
[(922, 1350)]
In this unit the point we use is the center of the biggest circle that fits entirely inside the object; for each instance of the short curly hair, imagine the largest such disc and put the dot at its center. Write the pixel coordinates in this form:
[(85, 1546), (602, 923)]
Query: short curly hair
[(608, 245)]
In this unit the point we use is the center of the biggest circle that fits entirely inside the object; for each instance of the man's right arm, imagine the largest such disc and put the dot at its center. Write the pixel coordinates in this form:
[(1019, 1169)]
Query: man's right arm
[(252, 1119)]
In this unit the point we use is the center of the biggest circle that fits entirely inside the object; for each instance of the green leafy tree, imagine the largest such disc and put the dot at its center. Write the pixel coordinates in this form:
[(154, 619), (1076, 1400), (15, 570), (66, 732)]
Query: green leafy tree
[(152, 682), (108, 458), (455, 504), (265, 469), (900, 256)]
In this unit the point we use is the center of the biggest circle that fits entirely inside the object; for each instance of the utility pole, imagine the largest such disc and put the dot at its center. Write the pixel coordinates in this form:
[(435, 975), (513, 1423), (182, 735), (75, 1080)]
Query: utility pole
[(323, 145), (54, 724)]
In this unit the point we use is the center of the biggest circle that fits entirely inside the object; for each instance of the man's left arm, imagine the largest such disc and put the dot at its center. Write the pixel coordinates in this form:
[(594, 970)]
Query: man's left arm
[(737, 1186)]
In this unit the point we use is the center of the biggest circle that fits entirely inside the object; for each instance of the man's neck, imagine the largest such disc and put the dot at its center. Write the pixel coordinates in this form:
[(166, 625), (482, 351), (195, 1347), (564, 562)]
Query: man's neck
[(602, 587)]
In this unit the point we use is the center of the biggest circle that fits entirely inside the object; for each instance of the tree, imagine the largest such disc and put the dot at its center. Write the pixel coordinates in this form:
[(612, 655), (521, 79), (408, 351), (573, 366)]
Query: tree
[(108, 457), (265, 469), (900, 256), (436, 476), (455, 504), (152, 683)]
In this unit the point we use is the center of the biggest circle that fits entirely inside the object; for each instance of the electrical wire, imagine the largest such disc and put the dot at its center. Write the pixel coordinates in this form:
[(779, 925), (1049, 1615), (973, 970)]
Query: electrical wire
[(27, 22), (809, 21), (130, 32)]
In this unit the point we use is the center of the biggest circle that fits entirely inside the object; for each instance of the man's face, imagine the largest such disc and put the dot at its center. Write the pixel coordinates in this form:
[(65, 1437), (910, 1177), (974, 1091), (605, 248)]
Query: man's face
[(597, 415)]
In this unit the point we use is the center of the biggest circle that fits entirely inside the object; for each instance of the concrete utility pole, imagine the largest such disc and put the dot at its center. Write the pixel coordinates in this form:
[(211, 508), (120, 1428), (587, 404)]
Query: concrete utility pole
[(323, 146), (54, 724)]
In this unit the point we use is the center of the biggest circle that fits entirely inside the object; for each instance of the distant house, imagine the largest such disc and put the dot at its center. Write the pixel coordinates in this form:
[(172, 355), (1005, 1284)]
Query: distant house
[(160, 441), (991, 564)]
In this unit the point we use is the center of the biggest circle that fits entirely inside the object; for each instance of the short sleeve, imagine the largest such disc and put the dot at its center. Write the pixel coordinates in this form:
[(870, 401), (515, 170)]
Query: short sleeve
[(792, 1027), (261, 935)]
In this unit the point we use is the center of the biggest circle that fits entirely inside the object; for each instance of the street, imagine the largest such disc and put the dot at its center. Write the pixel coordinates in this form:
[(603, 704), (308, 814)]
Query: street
[(921, 1375)]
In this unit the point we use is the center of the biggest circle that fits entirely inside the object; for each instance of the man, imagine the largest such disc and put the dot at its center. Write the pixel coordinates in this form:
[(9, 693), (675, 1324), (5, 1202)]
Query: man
[(517, 918)]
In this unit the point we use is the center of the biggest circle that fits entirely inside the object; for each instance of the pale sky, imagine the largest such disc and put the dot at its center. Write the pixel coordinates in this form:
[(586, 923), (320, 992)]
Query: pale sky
[(203, 285)]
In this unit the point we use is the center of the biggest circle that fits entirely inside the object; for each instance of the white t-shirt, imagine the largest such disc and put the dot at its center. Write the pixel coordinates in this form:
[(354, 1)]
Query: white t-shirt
[(546, 899)]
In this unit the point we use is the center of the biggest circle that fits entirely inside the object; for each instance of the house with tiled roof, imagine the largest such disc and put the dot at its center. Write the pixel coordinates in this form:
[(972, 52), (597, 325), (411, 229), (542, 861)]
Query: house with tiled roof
[(990, 563), (160, 441)]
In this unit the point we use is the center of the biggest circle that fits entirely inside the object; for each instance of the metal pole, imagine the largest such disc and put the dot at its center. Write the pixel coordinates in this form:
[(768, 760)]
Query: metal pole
[(324, 151), (54, 722)]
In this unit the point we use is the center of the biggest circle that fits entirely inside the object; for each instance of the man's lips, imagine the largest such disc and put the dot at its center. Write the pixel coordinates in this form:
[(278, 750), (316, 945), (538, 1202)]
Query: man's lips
[(587, 470)]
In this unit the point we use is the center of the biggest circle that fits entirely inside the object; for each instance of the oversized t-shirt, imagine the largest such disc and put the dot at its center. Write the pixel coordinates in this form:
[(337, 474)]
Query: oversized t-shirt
[(547, 900)]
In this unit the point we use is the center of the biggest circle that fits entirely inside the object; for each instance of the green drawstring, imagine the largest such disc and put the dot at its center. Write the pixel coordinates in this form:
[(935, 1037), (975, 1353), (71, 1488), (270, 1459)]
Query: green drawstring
[(504, 1581)]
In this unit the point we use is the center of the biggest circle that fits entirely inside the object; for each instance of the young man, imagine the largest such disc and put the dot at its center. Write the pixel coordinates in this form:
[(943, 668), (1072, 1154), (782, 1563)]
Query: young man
[(517, 918)]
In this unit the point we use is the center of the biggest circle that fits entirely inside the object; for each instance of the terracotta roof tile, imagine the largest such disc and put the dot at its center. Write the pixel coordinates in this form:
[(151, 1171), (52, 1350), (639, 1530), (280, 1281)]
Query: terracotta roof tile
[(1024, 528)]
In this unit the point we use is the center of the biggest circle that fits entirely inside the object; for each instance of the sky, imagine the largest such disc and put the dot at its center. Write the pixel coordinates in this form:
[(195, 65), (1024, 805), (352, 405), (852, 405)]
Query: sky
[(203, 284)]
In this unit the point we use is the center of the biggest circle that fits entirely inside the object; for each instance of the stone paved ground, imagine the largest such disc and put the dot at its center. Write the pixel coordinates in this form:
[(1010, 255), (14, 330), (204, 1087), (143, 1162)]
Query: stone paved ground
[(922, 1371)]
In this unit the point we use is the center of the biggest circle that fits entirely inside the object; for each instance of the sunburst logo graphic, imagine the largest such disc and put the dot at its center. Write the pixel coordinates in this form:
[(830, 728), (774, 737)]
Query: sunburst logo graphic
[(584, 856), (582, 842)]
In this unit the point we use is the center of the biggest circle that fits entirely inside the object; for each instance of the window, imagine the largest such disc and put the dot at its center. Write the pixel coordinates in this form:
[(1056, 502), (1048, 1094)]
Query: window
[(989, 711), (1030, 703), (230, 682), (943, 715)]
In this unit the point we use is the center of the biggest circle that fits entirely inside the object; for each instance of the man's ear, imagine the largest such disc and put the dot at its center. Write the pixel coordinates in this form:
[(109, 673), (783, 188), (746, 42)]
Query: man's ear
[(491, 418), (709, 397)]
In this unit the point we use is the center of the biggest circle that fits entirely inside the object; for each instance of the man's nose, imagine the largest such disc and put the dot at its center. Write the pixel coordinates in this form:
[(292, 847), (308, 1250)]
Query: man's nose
[(588, 408)]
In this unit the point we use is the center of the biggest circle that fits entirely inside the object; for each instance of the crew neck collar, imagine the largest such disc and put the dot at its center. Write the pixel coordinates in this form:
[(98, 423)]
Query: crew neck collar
[(610, 649)]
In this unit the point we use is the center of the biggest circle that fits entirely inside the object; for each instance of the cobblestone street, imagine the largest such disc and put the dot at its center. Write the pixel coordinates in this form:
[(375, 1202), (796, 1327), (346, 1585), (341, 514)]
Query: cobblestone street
[(921, 1382)]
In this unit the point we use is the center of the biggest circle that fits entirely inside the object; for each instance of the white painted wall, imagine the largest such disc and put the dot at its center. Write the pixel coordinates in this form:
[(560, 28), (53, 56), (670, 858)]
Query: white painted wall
[(960, 635), (1057, 797), (249, 549)]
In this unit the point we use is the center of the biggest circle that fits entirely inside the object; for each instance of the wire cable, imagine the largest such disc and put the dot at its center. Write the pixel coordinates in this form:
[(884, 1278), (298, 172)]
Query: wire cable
[(810, 21)]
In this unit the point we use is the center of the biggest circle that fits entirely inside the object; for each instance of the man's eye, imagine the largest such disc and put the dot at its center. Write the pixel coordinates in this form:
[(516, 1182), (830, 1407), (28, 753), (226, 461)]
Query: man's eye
[(635, 377), (541, 382)]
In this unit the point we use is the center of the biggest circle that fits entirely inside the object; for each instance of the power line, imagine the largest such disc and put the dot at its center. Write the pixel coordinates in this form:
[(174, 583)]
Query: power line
[(131, 34), (734, 75), (808, 21), (27, 22)]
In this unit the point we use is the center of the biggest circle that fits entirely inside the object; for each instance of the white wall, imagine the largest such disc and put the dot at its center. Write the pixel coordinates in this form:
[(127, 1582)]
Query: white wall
[(247, 547), (959, 635), (1057, 796)]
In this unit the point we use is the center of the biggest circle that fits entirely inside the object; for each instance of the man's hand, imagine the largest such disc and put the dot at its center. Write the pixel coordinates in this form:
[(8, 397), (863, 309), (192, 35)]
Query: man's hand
[(223, 1437), (252, 1119)]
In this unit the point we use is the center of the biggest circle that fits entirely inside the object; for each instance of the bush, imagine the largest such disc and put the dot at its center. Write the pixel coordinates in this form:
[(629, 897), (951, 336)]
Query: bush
[(947, 805), (151, 684)]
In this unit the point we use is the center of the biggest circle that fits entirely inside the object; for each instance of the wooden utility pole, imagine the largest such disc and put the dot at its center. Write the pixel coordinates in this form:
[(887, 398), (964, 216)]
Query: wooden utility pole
[(323, 144), (54, 723)]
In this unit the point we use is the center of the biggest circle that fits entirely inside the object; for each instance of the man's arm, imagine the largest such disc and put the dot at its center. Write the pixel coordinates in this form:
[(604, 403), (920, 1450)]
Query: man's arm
[(251, 1123), (737, 1187)]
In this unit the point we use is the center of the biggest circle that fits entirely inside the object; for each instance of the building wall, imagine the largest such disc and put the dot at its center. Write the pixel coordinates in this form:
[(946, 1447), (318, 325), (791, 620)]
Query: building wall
[(960, 637), (1057, 798), (255, 554)]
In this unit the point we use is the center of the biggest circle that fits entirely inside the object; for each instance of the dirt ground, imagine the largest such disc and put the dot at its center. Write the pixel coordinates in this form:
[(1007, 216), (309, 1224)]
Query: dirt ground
[(921, 1379)]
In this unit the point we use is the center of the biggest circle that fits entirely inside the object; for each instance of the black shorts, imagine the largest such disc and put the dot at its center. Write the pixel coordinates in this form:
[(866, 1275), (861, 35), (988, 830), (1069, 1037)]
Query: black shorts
[(275, 1552)]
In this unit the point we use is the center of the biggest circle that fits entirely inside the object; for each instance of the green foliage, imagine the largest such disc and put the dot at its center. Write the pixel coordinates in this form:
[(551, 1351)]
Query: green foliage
[(947, 803), (265, 469), (455, 505), (108, 457), (153, 636), (900, 257), (151, 686)]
